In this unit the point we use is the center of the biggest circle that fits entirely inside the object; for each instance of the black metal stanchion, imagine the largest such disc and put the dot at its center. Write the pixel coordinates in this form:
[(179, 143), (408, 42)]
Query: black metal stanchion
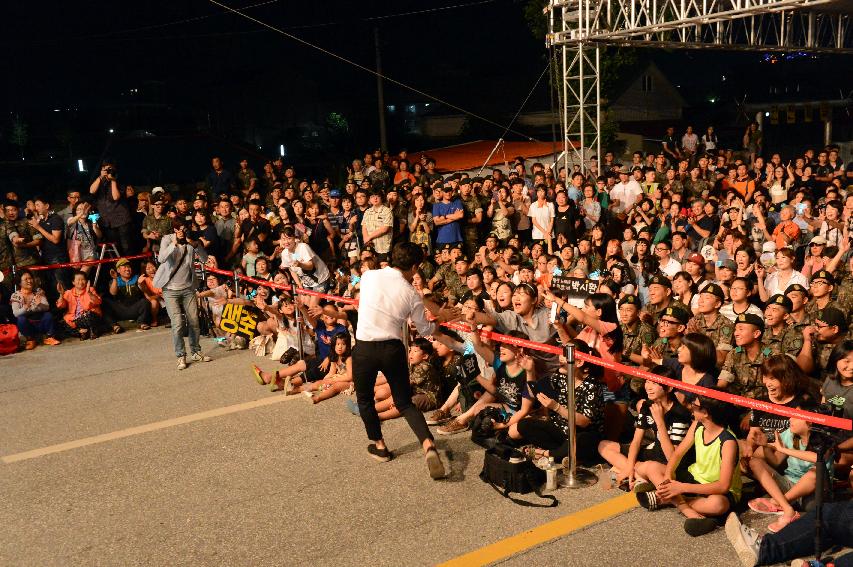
[(575, 477)]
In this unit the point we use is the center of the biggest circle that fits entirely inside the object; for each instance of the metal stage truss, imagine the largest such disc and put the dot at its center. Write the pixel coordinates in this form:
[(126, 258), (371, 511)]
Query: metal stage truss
[(579, 28)]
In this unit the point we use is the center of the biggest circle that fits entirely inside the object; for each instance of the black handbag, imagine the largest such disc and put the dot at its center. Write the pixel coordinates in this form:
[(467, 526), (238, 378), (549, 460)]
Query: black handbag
[(521, 477)]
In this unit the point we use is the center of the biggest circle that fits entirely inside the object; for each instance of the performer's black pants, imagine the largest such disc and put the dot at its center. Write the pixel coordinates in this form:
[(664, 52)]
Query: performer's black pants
[(388, 357)]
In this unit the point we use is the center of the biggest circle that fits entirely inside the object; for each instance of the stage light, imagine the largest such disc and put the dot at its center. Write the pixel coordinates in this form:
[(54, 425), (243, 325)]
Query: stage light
[(80, 167), (281, 150), (767, 114), (111, 131)]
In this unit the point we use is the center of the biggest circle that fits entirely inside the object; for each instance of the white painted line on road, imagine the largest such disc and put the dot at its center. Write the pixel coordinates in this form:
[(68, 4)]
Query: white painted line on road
[(147, 428)]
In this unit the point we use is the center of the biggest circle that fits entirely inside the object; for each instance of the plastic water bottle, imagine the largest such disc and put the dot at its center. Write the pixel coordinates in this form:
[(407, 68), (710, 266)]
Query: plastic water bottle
[(551, 475)]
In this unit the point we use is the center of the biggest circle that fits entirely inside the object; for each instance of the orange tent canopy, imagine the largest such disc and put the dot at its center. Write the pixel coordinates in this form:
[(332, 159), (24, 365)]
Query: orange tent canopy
[(473, 154)]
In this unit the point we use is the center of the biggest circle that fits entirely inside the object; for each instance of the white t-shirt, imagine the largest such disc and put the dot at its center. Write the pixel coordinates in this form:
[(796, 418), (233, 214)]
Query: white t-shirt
[(541, 215), (626, 193), (303, 253), (671, 268)]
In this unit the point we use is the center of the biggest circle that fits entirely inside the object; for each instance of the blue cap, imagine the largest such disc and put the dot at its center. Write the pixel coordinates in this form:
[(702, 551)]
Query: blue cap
[(335, 193)]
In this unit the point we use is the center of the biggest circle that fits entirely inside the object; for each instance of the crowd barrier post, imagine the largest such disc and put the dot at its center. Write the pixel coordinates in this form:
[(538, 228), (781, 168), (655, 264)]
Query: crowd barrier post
[(575, 477), (236, 284), (300, 319)]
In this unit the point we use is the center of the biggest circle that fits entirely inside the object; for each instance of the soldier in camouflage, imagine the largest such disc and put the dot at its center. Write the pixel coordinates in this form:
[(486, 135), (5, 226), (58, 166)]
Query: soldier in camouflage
[(19, 241), (672, 324), (778, 335), (820, 289), (660, 298), (799, 297), (830, 328), (473, 216), (741, 370), (709, 322)]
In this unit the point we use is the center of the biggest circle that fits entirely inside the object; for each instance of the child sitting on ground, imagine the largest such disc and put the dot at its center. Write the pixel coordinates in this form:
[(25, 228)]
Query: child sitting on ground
[(339, 377), (712, 485), (663, 418), (789, 448)]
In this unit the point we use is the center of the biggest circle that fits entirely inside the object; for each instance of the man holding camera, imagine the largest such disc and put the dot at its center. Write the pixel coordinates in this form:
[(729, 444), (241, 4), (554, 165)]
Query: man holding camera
[(177, 278), (111, 202)]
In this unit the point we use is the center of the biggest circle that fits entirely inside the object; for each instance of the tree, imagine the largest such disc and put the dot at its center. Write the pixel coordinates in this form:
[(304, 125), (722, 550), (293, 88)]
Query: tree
[(20, 134)]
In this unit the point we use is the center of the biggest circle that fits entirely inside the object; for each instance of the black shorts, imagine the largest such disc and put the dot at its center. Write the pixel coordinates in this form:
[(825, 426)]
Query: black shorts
[(312, 370), (683, 475), (645, 455)]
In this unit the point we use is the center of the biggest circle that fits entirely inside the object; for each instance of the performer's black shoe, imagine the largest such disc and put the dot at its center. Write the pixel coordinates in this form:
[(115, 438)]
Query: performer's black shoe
[(381, 455)]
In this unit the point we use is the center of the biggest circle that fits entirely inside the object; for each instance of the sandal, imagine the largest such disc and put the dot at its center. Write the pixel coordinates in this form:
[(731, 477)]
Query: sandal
[(764, 506), (83, 333), (144, 327), (780, 524), (117, 329), (257, 373)]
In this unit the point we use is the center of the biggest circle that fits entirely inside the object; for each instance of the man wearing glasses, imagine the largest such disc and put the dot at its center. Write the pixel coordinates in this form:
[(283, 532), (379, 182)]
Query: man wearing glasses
[(668, 265), (829, 329), (820, 290)]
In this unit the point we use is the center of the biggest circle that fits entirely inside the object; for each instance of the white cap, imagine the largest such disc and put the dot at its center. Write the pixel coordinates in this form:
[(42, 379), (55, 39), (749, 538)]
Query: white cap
[(157, 190)]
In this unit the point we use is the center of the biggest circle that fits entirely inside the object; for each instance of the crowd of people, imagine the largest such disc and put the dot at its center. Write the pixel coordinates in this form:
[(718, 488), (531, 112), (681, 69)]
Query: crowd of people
[(726, 268)]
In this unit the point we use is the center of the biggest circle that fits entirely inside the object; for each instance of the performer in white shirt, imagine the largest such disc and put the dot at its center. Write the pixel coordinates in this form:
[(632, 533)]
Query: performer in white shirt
[(386, 303)]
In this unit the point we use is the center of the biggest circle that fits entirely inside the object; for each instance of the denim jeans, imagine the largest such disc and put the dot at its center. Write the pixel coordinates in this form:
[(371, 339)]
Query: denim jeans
[(183, 302), (32, 324), (797, 538)]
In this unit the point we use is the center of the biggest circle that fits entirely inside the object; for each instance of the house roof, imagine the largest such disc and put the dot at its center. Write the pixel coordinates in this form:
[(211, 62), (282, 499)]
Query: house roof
[(472, 155)]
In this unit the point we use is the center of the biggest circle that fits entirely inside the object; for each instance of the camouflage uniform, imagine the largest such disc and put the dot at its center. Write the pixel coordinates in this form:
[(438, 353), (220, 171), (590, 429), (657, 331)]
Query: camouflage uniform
[(797, 328), (845, 293), (720, 331), (665, 348), (9, 254), (789, 341), (744, 375), (655, 310), (634, 339), (820, 355), (425, 382), (812, 310), (641, 334), (469, 231)]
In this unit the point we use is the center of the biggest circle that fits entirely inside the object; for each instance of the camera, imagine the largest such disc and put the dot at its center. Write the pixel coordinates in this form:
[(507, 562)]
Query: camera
[(823, 438), (110, 170)]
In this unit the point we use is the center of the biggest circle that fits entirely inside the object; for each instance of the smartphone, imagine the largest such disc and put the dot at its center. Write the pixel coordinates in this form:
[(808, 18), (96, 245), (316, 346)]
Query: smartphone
[(553, 316)]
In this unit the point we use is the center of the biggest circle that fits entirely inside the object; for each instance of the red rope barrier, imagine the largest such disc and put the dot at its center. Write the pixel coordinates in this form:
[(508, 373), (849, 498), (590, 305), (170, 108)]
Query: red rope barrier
[(748, 403), (85, 263)]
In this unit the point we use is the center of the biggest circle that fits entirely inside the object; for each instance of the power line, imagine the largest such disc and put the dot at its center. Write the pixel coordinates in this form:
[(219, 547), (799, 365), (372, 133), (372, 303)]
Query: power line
[(368, 70), (111, 35)]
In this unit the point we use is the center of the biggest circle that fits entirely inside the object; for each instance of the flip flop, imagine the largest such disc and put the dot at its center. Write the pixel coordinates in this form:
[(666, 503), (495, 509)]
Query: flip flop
[(764, 506), (257, 372)]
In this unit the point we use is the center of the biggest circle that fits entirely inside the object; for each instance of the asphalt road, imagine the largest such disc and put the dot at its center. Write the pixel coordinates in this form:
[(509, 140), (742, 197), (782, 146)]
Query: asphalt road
[(286, 483)]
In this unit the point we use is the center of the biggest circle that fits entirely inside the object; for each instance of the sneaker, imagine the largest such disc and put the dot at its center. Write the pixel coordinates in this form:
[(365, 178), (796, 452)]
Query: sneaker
[(31, 344), (746, 541), (182, 362), (451, 427), (50, 341), (381, 455), (648, 500), (438, 417), (434, 464), (644, 486), (700, 526), (199, 357)]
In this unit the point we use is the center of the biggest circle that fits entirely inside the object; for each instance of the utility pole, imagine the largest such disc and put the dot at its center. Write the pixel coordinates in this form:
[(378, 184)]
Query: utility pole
[(380, 93)]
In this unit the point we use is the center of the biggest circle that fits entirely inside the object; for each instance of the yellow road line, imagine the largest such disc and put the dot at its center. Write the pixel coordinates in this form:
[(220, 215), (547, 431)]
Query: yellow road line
[(147, 428), (546, 532)]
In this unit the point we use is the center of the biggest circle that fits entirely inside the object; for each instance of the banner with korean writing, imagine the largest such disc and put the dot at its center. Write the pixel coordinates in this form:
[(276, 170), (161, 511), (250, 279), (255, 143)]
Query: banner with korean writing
[(575, 290), (240, 320)]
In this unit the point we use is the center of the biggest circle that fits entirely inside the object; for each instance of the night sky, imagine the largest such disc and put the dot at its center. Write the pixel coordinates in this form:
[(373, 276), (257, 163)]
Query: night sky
[(220, 73)]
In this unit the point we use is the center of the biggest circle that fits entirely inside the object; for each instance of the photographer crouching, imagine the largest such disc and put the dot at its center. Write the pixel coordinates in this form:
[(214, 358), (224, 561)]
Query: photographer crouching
[(178, 280)]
